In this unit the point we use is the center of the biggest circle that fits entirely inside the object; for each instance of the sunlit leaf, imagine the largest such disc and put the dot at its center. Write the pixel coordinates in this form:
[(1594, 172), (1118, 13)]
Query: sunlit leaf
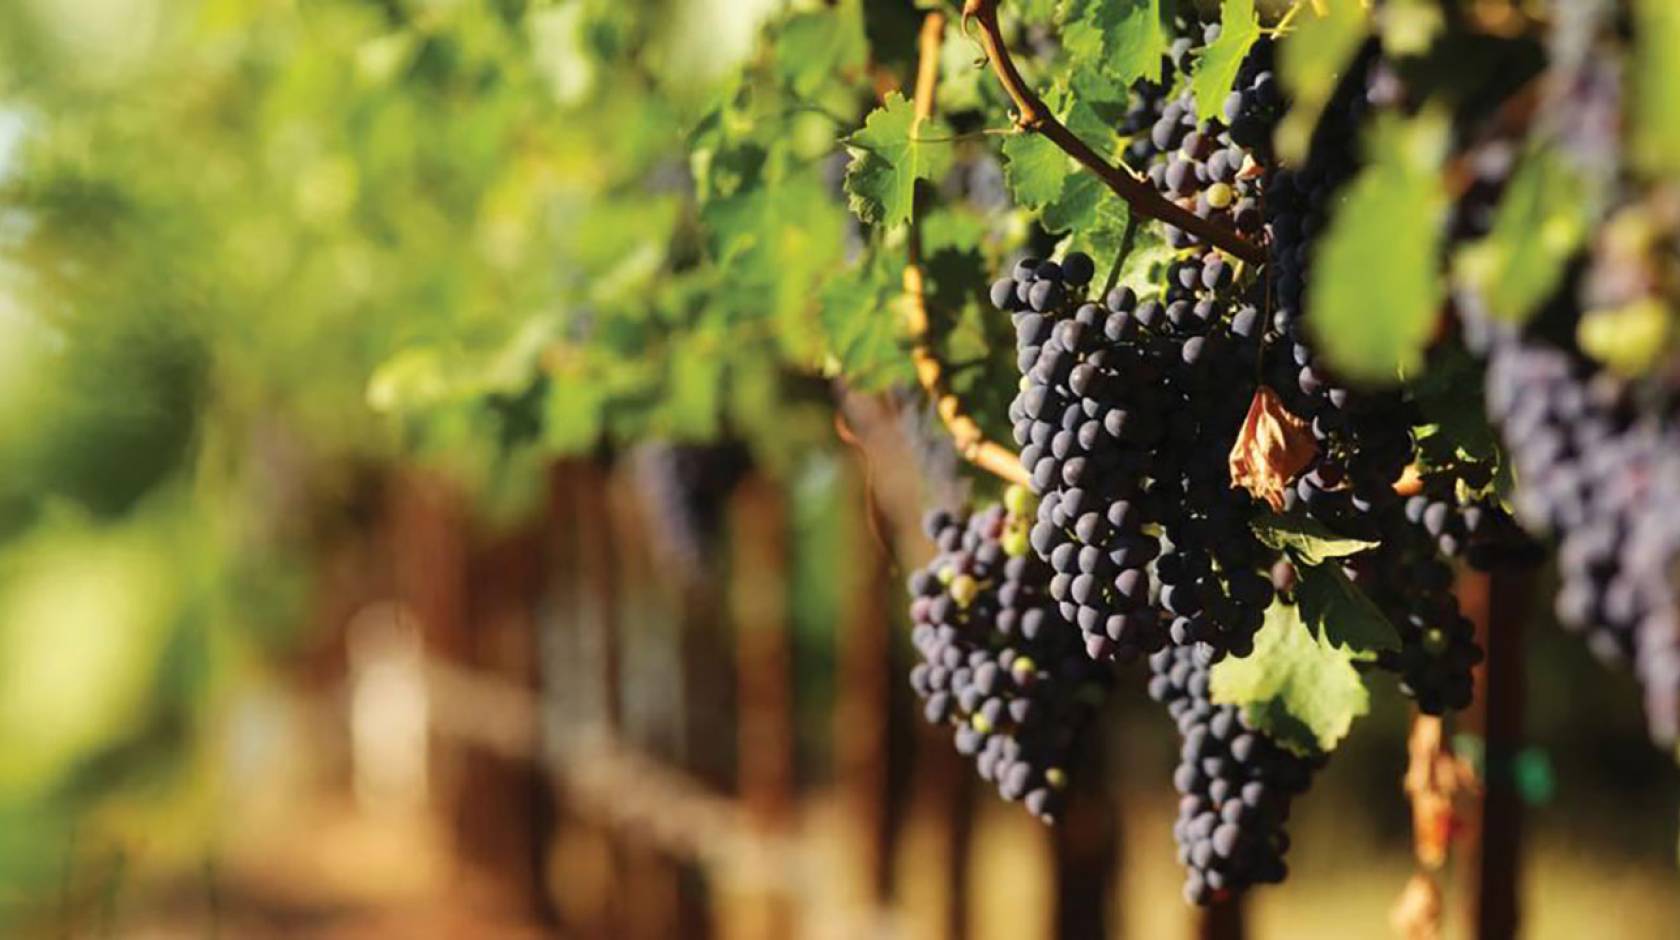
[(1376, 289), (889, 154), (1216, 69), (1300, 690)]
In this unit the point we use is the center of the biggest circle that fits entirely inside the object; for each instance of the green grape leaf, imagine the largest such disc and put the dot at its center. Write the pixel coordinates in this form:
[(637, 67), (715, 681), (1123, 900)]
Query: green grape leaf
[(1121, 39), (1308, 541), (1075, 99), (1145, 266), (1340, 614), (1449, 393), (1656, 87), (1376, 290), (864, 325), (1093, 216), (814, 48), (963, 82), (1036, 12), (1311, 58), (1299, 690), (1078, 205), (1216, 68), (887, 160), (1630, 339), (1410, 27), (1035, 169), (775, 237), (1541, 221)]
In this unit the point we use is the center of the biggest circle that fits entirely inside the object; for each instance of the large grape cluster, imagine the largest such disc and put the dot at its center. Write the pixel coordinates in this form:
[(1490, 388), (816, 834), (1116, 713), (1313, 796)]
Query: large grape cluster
[(999, 664), (1235, 785), (1594, 457), (1599, 475), (1126, 415)]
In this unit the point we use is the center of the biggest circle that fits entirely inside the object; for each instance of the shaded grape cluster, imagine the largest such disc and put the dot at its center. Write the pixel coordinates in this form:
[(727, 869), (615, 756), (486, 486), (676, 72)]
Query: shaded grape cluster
[(1407, 579), (1235, 785), (999, 664)]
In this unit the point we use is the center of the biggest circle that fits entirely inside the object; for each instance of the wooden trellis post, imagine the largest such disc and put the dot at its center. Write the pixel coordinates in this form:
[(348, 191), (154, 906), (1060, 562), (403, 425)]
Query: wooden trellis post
[(1498, 604)]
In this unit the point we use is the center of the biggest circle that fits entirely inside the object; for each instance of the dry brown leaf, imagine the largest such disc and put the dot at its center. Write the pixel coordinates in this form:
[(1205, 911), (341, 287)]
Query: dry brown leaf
[(1417, 912), (1273, 446)]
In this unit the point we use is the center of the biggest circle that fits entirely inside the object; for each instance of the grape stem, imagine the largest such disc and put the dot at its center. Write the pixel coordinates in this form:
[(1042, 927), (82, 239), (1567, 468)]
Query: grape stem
[(1032, 115), (966, 435)]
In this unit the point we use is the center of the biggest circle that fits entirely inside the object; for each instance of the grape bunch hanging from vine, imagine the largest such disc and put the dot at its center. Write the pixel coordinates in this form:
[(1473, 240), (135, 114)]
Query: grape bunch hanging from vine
[(1288, 269)]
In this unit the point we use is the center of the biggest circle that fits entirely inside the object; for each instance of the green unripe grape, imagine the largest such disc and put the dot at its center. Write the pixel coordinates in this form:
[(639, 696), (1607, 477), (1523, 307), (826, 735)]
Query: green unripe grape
[(1219, 195), (1018, 500), (1016, 541), (1630, 339), (964, 589), (980, 724), (1434, 641), (1056, 777), (1022, 666)]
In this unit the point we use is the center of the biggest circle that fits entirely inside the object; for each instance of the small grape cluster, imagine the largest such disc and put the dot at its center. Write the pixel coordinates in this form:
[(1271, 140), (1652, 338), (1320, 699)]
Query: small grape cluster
[(998, 662), (1476, 528), (1407, 579), (1236, 785), (1216, 169)]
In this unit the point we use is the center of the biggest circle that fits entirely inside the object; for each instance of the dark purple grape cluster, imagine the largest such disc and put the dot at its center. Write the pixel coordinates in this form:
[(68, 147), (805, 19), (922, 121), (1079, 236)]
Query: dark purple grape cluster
[(998, 661), (1597, 473), (1477, 529), (1407, 579), (1595, 462), (1216, 169), (1126, 416), (1088, 416), (1236, 785)]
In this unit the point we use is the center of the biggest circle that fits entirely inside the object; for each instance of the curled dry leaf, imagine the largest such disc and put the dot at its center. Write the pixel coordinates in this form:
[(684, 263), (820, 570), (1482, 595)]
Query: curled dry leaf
[(1416, 914), (1273, 446), (1436, 780)]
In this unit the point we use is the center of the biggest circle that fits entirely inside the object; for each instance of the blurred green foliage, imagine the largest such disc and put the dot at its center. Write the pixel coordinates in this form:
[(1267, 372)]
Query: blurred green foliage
[(248, 247)]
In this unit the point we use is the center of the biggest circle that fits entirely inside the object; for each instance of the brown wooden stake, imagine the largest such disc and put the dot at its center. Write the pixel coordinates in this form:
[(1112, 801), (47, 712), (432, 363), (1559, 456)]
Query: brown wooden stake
[(764, 669), (1085, 851), (1225, 921), (1497, 604), (970, 441), (658, 899), (945, 789), (863, 701)]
